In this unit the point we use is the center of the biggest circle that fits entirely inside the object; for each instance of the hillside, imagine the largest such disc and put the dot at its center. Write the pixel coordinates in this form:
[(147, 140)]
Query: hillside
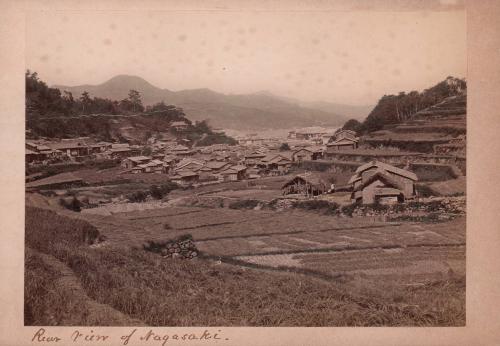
[(431, 121), (439, 129), (395, 109), (252, 111)]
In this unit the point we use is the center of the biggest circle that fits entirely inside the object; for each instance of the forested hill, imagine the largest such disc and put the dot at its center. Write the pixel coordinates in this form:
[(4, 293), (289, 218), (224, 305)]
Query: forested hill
[(396, 109), (50, 113)]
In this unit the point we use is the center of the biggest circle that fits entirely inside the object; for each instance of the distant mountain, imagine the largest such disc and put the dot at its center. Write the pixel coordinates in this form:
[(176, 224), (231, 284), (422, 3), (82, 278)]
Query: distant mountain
[(242, 112), (349, 111), (117, 88)]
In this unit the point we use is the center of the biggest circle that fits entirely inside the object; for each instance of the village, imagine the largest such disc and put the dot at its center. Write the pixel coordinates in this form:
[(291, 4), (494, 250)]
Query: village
[(311, 162)]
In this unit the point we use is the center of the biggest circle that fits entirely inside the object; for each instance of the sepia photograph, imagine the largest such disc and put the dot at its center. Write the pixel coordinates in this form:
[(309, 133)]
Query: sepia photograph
[(246, 168)]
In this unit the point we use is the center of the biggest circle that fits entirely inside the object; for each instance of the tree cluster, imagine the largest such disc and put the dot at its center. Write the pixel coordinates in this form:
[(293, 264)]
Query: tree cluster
[(43, 101)]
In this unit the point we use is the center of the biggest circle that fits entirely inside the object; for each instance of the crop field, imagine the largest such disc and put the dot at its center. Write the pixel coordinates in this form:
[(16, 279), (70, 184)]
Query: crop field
[(258, 194), (450, 187), (134, 227), (397, 136)]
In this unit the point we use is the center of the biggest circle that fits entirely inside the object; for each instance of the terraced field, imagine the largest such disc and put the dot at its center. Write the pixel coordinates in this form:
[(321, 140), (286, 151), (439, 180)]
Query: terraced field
[(376, 273), (307, 243)]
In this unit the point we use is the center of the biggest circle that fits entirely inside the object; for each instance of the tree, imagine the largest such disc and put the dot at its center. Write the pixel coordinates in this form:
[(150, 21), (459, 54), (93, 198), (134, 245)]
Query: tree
[(284, 147), (86, 101), (147, 151), (160, 106), (352, 124), (135, 99)]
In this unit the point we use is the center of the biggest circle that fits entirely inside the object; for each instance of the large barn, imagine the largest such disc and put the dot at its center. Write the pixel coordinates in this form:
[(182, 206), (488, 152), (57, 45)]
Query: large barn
[(380, 182)]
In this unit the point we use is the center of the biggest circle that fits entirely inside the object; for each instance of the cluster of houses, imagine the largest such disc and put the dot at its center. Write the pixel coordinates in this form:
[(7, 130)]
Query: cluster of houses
[(372, 182), (76, 150), (83, 148), (218, 163)]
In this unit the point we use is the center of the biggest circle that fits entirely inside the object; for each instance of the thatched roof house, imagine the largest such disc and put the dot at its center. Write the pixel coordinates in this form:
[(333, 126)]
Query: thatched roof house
[(377, 181), (308, 184)]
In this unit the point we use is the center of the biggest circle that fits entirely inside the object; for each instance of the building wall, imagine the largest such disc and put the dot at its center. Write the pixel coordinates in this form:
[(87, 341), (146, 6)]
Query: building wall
[(369, 192), (337, 148), (302, 155)]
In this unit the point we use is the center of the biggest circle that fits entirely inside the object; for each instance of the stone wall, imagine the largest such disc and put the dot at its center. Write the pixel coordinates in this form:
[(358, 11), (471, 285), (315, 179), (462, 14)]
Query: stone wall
[(182, 247)]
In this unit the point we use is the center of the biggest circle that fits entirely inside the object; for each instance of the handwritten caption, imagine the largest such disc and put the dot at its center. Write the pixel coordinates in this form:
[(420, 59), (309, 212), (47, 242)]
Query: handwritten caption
[(80, 336)]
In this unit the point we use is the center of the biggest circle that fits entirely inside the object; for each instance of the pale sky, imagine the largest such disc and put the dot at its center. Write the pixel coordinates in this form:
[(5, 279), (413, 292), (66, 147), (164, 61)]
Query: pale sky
[(345, 57)]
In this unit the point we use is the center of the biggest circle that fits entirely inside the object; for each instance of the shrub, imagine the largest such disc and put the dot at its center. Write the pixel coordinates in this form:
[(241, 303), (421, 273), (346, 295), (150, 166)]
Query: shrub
[(313, 204), (284, 147), (74, 204), (138, 196), (434, 206), (348, 209), (379, 207), (325, 207), (425, 191), (399, 208), (431, 217), (156, 193), (319, 205), (431, 206), (244, 204)]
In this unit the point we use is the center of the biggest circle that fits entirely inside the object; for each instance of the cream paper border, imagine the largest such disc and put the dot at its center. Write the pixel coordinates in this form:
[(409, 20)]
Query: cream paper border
[(483, 164)]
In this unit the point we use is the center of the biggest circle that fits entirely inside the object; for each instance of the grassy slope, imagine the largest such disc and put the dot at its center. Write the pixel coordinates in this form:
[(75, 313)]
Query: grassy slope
[(144, 287)]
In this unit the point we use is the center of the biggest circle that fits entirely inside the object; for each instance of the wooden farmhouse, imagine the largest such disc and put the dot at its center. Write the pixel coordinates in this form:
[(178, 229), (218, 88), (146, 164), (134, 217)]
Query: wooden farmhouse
[(71, 149), (342, 144), (179, 125), (276, 163), (120, 153), (380, 182), (133, 161), (305, 184), (217, 166), (190, 164), (185, 177), (252, 159), (234, 173), (307, 154), (344, 139)]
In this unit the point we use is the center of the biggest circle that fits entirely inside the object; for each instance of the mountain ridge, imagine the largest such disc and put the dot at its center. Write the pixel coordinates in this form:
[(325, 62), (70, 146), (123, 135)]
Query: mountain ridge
[(238, 111)]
